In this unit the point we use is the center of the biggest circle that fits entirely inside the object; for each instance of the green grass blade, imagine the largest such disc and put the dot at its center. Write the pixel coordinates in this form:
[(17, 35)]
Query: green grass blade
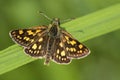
[(95, 24), (84, 28), (12, 57)]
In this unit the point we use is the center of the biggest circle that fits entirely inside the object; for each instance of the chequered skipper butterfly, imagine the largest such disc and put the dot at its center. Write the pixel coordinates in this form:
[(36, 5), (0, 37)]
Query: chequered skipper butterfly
[(50, 42)]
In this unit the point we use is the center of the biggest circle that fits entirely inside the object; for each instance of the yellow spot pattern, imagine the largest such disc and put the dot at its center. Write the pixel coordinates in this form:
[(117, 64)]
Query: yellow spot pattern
[(63, 53), (40, 40), (57, 56), (38, 31), (30, 32), (61, 44), (67, 37), (32, 40), (34, 46), (37, 52), (39, 47), (20, 31), (19, 37), (30, 51), (64, 59), (73, 42), (74, 49), (80, 51), (26, 38), (67, 48), (71, 49), (58, 51), (68, 42), (34, 51), (80, 46)]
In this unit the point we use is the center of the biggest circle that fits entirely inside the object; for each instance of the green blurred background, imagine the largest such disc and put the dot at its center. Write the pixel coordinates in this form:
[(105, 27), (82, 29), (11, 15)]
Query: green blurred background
[(103, 62)]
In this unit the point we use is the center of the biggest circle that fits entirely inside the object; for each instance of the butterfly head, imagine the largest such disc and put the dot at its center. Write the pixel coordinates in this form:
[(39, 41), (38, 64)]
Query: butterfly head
[(55, 22)]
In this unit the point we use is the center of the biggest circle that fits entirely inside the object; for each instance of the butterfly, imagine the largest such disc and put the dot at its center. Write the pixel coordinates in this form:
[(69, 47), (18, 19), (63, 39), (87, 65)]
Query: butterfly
[(50, 42)]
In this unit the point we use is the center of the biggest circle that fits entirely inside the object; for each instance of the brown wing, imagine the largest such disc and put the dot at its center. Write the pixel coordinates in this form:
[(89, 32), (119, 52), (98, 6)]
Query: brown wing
[(38, 48), (25, 37), (60, 55), (73, 47)]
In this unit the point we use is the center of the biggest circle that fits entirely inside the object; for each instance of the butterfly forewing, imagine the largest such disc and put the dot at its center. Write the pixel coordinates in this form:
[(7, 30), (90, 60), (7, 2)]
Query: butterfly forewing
[(74, 48), (25, 37)]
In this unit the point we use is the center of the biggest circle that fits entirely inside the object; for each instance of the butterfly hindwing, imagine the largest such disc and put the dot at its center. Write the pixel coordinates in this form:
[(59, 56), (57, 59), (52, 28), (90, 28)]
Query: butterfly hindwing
[(38, 48), (60, 55)]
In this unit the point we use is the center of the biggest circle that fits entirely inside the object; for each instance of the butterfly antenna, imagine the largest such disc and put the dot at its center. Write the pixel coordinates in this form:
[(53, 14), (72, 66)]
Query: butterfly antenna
[(66, 20), (41, 13)]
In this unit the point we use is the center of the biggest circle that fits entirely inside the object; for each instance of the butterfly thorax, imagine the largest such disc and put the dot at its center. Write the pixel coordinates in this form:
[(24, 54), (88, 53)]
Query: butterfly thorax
[(54, 28)]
